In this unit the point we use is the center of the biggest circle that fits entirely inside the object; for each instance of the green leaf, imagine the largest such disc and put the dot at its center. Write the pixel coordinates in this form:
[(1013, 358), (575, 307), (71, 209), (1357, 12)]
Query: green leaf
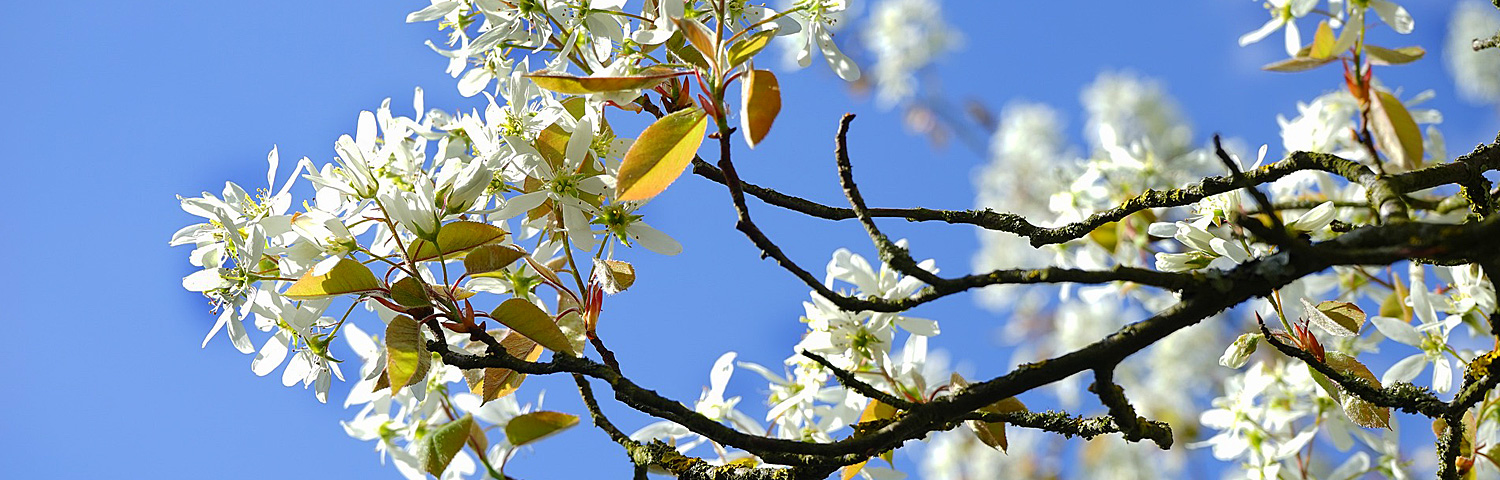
[(1323, 41), (659, 155), (489, 258), (494, 383), (1297, 64), (530, 427), (762, 101), (441, 444), (747, 47), (1395, 130), (409, 292), (575, 85), (699, 35), (1364, 414), (1387, 56), (527, 319), (406, 359), (347, 276), (454, 238)]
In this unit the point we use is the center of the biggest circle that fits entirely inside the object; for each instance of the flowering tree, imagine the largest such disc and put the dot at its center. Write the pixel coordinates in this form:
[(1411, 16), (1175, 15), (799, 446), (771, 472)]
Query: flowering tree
[(484, 241)]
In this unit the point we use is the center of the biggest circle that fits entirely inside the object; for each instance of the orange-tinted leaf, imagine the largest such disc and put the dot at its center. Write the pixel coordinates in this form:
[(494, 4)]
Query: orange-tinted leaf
[(658, 157), (1395, 130), (762, 101), (575, 85), (346, 276), (700, 36)]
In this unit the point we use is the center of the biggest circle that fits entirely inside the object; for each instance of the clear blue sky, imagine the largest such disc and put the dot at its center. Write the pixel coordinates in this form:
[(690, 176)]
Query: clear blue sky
[(114, 108)]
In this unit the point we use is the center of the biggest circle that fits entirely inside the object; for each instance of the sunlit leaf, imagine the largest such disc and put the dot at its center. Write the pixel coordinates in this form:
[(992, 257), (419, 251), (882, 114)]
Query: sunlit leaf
[(530, 427), (1387, 56), (699, 36), (1362, 413), (347, 276), (1396, 132), (489, 258), (1297, 64), (409, 292), (1337, 319), (616, 275), (406, 356), (529, 320), (1347, 315), (442, 443), (575, 85), (875, 410), (993, 433), (747, 47), (761, 100), (660, 154), (493, 383), (1323, 41), (454, 238)]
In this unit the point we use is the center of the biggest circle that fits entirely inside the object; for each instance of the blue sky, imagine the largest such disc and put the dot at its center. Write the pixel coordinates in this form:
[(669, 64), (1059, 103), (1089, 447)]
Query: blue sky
[(115, 108)]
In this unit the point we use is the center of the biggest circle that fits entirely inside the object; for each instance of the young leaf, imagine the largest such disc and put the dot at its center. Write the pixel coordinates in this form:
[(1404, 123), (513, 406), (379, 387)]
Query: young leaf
[(700, 36), (499, 382), (406, 357), (1297, 64), (659, 155), (409, 292), (441, 444), (993, 433), (615, 275), (747, 47), (530, 427), (1364, 414), (1395, 130), (1387, 56), (347, 276), (526, 319), (574, 85), (1337, 318), (1323, 41), (489, 258), (454, 238), (762, 101)]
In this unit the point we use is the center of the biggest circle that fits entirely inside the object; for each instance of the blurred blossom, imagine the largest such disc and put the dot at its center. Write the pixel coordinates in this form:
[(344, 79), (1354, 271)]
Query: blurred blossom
[(905, 36), (1477, 74)]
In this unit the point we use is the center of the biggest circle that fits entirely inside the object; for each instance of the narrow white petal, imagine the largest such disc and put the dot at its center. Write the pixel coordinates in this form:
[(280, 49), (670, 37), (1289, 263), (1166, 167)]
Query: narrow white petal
[(271, 354), (1260, 33), (1404, 370)]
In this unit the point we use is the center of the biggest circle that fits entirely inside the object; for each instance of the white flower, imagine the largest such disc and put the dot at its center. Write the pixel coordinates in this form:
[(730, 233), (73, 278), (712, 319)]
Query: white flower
[(1430, 335), (1284, 13), (816, 18), (905, 35)]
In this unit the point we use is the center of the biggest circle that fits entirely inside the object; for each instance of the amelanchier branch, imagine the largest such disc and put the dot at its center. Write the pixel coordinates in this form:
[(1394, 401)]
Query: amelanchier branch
[(1203, 295)]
